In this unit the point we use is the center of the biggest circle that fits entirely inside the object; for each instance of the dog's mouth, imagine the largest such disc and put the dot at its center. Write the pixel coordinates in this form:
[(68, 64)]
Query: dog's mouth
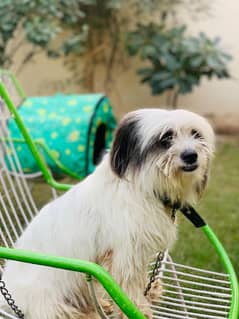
[(189, 167)]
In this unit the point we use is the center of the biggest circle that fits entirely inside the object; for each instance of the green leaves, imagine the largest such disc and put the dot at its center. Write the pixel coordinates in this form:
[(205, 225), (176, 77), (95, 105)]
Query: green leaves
[(177, 61), (114, 4), (44, 23), (71, 28), (40, 31), (76, 43)]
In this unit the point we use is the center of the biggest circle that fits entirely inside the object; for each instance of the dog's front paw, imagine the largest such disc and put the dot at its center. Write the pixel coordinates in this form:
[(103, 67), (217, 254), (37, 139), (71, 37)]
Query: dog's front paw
[(147, 312), (155, 291), (107, 306)]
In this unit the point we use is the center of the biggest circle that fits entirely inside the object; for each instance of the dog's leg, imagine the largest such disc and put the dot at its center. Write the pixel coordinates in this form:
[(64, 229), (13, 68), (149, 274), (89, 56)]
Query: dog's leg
[(155, 291), (107, 306), (90, 315), (145, 309), (135, 291), (69, 312)]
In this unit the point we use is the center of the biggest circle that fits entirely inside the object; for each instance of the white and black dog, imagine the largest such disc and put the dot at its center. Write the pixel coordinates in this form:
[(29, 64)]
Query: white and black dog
[(115, 217)]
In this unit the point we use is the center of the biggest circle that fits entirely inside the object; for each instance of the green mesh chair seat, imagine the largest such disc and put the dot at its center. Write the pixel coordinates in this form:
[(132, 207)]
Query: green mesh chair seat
[(76, 129)]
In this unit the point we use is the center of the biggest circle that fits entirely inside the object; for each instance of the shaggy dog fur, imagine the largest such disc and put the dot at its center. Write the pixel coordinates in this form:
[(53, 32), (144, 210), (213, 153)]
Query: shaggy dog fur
[(115, 216)]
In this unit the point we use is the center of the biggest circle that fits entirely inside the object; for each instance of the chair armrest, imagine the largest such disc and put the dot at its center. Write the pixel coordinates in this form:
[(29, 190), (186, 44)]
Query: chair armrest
[(89, 268)]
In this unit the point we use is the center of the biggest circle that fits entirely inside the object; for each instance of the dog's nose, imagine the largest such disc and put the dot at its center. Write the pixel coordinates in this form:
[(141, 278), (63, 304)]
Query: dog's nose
[(189, 156)]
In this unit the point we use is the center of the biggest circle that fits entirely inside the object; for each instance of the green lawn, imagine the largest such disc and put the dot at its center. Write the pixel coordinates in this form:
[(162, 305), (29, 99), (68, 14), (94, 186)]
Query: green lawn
[(220, 208)]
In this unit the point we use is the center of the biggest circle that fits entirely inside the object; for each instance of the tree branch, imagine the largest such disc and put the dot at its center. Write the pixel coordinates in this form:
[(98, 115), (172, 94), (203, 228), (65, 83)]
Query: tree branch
[(28, 58)]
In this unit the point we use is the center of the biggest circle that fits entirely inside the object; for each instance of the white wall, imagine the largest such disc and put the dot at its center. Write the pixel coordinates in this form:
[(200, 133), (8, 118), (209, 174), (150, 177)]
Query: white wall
[(219, 95)]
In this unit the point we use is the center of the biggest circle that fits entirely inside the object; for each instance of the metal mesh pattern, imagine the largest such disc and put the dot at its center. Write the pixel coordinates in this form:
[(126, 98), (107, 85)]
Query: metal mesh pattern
[(16, 203), (187, 293), (17, 206), (192, 293), (7, 81)]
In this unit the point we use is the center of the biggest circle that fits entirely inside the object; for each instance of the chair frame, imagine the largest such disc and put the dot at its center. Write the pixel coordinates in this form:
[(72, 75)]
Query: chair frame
[(113, 289)]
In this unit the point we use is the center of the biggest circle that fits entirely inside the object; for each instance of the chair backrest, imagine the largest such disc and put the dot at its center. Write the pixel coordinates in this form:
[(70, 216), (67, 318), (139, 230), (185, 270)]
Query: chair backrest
[(17, 206)]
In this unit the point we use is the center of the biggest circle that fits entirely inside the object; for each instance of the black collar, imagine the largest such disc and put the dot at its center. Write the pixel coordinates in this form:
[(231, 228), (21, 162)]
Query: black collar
[(187, 210), (173, 206)]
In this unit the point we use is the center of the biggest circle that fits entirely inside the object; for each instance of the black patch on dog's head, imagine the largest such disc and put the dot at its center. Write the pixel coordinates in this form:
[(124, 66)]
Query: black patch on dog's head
[(158, 144), (125, 151)]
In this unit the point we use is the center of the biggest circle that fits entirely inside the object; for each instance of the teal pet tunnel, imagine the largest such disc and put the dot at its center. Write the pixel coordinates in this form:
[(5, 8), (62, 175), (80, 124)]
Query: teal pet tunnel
[(71, 129)]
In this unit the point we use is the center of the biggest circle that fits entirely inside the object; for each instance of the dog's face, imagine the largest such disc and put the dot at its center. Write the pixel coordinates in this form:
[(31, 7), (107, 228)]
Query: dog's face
[(164, 151)]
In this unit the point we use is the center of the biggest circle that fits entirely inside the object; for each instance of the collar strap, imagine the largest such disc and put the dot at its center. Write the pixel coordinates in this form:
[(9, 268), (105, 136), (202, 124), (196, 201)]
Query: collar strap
[(187, 210), (170, 204), (174, 206), (191, 214)]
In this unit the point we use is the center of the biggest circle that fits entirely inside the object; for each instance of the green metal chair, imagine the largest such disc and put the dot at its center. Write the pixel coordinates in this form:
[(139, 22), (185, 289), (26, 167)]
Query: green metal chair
[(188, 292)]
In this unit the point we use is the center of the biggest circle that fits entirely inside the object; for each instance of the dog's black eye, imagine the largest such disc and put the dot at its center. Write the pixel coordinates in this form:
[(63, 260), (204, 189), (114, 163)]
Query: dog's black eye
[(196, 134), (166, 139)]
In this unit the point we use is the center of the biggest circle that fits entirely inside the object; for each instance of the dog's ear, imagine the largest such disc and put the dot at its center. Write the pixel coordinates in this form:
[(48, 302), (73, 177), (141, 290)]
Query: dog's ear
[(125, 150)]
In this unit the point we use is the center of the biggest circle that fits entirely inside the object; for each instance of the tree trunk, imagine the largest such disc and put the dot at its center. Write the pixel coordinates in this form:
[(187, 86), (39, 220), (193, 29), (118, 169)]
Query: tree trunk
[(172, 98), (168, 98), (175, 99), (114, 39)]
